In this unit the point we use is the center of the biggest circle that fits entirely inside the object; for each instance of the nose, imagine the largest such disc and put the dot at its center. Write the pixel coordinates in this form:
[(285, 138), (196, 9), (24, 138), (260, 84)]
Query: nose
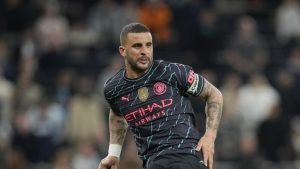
[(145, 50)]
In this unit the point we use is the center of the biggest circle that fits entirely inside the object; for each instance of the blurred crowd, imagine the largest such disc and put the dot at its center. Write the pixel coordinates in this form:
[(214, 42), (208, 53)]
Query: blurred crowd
[(55, 56)]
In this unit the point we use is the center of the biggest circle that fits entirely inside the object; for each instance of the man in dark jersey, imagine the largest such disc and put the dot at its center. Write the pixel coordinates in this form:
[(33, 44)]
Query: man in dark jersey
[(152, 99)]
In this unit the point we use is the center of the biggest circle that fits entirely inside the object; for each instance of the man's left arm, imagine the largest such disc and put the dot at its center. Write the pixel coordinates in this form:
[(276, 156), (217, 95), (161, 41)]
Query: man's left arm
[(213, 110)]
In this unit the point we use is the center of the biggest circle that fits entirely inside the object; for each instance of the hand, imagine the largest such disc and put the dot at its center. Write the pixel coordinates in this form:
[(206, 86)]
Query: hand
[(207, 145), (109, 162)]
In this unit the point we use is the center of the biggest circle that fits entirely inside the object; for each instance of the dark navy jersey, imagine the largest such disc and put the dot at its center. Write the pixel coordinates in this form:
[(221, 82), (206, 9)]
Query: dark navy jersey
[(157, 108)]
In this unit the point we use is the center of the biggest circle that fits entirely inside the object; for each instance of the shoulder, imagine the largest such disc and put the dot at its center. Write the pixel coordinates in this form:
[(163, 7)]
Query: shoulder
[(171, 65), (178, 69), (172, 70), (114, 80)]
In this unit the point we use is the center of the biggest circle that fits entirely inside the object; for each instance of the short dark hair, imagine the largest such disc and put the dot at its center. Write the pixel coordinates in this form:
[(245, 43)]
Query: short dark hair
[(132, 28)]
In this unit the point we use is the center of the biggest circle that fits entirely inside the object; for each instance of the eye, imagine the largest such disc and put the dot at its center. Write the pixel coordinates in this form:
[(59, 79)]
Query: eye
[(149, 44), (137, 45)]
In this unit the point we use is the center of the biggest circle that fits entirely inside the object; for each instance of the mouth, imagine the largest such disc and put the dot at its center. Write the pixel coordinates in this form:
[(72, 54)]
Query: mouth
[(143, 60)]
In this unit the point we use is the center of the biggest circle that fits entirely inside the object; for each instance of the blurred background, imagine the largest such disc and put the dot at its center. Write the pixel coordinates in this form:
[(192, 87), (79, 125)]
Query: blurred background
[(55, 56)]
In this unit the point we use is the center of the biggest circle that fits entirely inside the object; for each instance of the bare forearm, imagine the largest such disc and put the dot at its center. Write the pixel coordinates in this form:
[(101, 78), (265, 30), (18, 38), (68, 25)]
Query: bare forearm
[(213, 109), (118, 127)]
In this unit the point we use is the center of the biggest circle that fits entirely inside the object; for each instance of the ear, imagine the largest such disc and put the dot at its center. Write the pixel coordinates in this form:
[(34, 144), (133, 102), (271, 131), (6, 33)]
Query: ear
[(122, 51)]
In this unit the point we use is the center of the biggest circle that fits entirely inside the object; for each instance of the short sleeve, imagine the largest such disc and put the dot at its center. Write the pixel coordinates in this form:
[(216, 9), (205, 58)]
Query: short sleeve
[(115, 110), (191, 82), (195, 83), (110, 101)]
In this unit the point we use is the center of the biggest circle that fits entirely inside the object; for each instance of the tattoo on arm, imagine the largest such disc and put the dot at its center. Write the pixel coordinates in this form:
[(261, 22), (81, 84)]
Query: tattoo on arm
[(214, 112), (118, 128), (214, 105)]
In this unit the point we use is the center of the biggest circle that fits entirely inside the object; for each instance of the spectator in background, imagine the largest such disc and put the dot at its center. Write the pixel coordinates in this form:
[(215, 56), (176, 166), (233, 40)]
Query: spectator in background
[(124, 13), (18, 15), (182, 27), (22, 137), (157, 16), (85, 121), (248, 153), (230, 133), (274, 139), (293, 67), (230, 7), (256, 98), (293, 62), (62, 159), (15, 159), (83, 41), (46, 123), (261, 10), (28, 92), (230, 88), (52, 28), (81, 36), (100, 19), (285, 83), (287, 20), (13, 9), (85, 156), (63, 87), (247, 50), (206, 36), (6, 54), (6, 98), (106, 19)]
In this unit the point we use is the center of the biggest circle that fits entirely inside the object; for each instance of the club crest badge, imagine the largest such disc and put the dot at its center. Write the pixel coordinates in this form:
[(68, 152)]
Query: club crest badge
[(143, 94), (159, 88)]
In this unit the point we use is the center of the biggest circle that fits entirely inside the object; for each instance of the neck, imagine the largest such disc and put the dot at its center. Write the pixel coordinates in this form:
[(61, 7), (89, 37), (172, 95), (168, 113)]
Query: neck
[(133, 74)]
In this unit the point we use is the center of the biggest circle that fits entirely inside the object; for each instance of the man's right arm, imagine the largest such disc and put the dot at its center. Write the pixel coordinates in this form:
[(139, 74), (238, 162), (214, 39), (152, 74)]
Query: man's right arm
[(118, 128)]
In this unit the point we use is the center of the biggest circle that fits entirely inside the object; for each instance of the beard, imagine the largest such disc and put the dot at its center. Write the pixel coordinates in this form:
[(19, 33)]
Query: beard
[(138, 67)]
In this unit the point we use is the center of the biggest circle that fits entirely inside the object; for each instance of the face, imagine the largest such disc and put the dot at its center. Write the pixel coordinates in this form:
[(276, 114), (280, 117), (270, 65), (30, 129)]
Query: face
[(137, 52)]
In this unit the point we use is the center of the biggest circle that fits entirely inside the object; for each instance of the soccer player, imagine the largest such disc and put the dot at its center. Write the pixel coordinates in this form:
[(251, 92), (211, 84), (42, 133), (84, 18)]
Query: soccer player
[(151, 97)]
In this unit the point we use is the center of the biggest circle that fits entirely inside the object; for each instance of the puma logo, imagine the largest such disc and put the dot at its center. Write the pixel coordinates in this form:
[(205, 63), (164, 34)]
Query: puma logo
[(125, 98)]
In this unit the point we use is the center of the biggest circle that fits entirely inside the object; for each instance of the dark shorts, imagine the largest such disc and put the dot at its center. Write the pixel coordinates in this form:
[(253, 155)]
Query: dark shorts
[(177, 161)]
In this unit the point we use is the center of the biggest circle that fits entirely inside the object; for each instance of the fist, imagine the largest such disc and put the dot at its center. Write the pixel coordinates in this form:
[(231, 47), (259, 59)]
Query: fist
[(109, 162)]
